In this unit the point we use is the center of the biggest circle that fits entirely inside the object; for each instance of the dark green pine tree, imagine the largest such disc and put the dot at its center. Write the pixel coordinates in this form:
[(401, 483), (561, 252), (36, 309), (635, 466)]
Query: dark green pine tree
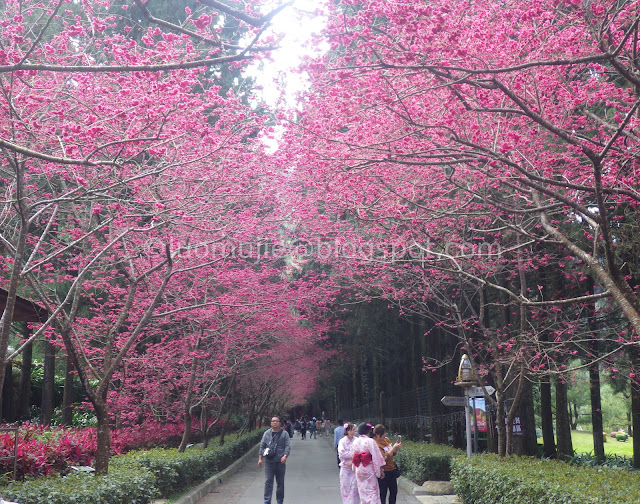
[(230, 35)]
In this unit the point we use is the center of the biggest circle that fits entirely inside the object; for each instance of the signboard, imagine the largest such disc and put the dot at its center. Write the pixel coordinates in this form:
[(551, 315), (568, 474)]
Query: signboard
[(518, 427), (454, 400), (479, 392), (481, 414)]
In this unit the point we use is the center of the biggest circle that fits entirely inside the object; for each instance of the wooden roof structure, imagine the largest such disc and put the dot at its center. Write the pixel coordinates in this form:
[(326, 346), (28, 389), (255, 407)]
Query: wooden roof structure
[(25, 310)]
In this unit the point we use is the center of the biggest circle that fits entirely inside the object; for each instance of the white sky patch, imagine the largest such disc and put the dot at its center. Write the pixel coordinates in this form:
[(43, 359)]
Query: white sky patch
[(299, 24)]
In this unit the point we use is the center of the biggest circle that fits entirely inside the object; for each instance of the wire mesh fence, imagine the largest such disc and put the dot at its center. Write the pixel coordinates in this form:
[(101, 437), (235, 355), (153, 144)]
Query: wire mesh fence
[(409, 413)]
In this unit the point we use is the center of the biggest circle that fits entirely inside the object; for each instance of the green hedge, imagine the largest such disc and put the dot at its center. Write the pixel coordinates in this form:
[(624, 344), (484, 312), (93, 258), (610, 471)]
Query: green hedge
[(422, 462), (134, 478), (175, 471), (125, 483), (485, 479)]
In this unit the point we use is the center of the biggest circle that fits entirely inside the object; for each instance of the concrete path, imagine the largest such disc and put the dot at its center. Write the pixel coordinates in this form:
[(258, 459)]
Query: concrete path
[(311, 478)]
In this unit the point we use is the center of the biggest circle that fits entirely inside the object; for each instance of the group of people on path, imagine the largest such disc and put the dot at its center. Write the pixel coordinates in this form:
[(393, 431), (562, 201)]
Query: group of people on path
[(315, 426), (368, 471), (367, 468)]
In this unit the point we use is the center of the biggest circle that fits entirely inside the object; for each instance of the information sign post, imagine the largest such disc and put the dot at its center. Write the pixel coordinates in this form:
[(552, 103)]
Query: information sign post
[(467, 418), (461, 401), (466, 379)]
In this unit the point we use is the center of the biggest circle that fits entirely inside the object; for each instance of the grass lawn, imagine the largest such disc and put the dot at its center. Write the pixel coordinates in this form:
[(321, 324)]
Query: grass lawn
[(583, 443)]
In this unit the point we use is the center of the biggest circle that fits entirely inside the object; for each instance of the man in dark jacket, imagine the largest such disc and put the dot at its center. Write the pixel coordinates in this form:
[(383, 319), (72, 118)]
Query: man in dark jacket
[(274, 451)]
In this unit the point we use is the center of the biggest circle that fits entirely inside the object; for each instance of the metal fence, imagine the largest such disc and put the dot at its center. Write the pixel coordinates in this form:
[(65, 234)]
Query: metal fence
[(407, 413)]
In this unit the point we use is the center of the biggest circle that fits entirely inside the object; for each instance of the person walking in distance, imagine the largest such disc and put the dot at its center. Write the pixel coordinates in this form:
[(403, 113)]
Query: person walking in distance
[(274, 452)]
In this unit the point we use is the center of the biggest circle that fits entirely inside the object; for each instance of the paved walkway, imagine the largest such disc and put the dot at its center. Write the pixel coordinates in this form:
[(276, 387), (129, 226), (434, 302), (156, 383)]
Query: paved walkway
[(311, 478)]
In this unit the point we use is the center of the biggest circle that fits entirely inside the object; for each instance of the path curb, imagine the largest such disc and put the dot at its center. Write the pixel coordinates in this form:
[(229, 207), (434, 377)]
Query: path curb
[(425, 496), (198, 492), (408, 485)]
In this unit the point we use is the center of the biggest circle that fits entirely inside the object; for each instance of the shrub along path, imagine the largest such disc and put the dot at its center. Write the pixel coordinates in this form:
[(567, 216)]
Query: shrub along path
[(312, 478)]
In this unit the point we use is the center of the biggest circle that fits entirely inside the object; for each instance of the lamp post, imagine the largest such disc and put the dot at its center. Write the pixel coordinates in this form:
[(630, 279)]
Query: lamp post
[(466, 380)]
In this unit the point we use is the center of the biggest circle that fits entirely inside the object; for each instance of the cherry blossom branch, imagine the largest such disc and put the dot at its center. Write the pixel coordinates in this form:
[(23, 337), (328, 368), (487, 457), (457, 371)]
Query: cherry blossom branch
[(157, 67), (598, 270), (520, 298), (595, 58), (71, 292), (256, 22), (175, 28), (146, 317), (619, 130), (64, 160), (528, 174), (40, 241), (72, 245), (530, 179), (213, 303), (51, 16)]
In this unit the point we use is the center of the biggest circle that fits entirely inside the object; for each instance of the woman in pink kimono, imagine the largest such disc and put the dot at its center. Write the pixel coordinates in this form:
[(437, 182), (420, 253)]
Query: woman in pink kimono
[(368, 462), (348, 487)]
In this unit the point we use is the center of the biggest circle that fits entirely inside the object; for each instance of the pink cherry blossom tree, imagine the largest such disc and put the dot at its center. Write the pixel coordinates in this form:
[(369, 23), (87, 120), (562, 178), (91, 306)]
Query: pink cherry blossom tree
[(436, 130), (122, 164)]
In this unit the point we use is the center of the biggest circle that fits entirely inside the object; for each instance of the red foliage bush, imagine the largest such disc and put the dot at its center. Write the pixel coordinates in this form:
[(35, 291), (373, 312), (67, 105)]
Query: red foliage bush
[(42, 451), (148, 435)]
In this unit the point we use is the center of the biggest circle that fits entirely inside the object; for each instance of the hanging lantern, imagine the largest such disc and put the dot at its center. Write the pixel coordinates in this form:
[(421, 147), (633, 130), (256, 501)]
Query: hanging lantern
[(465, 373)]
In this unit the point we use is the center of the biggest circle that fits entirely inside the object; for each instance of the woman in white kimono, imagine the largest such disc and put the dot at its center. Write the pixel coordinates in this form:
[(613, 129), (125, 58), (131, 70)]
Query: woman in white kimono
[(368, 462), (348, 486)]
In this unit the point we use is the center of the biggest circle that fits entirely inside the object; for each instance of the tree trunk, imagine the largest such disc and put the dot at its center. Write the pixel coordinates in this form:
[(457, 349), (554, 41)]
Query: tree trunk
[(204, 423), (68, 397), (573, 411), (8, 403), (546, 415), (501, 413), (223, 430), (435, 388), (502, 428), (635, 416), (563, 421), (12, 290), (103, 450), (596, 411), (375, 375), (355, 395), (186, 433), (525, 441), (24, 395), (48, 383), (594, 380)]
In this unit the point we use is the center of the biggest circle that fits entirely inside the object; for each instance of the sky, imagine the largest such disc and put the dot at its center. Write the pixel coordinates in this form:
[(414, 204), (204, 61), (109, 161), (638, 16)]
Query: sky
[(298, 24)]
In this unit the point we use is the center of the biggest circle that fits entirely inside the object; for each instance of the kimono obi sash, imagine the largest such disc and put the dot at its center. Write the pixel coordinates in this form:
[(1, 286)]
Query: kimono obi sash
[(363, 458)]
